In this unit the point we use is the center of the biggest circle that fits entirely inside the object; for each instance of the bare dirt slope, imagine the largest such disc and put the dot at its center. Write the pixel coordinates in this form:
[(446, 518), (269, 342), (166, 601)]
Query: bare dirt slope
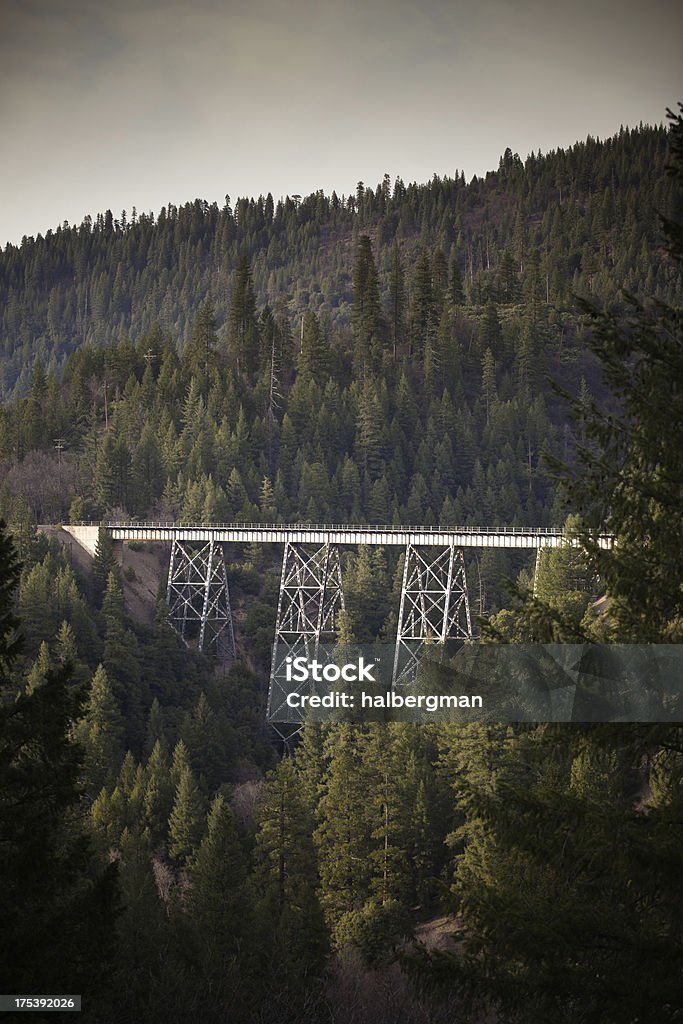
[(143, 569)]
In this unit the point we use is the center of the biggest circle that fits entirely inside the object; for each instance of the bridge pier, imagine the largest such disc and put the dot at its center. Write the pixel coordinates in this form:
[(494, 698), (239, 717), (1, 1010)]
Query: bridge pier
[(198, 596), (311, 594), (434, 606), (537, 569)]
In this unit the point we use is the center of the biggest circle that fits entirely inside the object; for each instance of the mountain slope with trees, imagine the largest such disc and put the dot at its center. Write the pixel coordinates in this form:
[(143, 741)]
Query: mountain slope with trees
[(259, 889), (581, 220)]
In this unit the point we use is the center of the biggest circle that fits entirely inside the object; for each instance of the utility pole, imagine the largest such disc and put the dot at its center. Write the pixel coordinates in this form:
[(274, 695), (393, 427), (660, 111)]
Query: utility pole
[(60, 445), (105, 385)]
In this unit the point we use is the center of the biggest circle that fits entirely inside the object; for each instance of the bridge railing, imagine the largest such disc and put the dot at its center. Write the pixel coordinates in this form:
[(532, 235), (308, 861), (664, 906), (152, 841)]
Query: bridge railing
[(320, 527)]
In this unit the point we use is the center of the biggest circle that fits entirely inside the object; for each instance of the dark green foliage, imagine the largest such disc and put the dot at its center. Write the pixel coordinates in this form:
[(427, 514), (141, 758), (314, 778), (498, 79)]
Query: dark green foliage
[(315, 359), (243, 335), (156, 435), (285, 881), (51, 886), (367, 311), (186, 823), (100, 733), (566, 876), (159, 270), (629, 478)]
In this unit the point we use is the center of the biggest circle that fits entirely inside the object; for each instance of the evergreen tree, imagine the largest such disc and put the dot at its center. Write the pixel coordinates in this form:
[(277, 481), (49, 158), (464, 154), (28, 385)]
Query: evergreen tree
[(186, 822), (158, 796), (104, 563), (314, 361), (285, 876), (456, 293), (342, 837), (397, 300), (122, 663), (367, 311), (630, 480), (243, 336), (217, 902), (100, 733), (423, 312), (200, 355)]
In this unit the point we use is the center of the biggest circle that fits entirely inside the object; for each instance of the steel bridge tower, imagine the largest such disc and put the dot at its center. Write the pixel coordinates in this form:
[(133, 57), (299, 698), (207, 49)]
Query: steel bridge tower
[(311, 595), (434, 606), (198, 597)]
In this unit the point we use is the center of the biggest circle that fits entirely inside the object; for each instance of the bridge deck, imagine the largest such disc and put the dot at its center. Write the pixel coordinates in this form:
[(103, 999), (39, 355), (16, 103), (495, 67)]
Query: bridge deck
[(267, 533)]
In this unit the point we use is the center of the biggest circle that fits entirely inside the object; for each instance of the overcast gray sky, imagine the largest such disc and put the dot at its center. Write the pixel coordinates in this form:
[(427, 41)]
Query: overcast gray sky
[(128, 103)]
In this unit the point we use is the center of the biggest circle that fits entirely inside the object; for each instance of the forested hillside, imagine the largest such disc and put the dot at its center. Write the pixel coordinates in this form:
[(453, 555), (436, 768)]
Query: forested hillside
[(577, 220), (380, 358), (416, 391)]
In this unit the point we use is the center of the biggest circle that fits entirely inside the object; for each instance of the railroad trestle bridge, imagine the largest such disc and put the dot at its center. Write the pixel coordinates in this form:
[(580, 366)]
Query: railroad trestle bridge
[(434, 604)]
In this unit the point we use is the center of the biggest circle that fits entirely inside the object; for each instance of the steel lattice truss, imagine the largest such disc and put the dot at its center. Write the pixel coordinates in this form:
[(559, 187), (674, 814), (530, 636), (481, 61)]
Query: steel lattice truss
[(434, 606), (311, 594), (198, 596)]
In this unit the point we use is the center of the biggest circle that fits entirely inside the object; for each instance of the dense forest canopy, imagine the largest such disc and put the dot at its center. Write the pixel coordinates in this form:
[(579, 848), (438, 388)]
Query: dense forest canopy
[(579, 220)]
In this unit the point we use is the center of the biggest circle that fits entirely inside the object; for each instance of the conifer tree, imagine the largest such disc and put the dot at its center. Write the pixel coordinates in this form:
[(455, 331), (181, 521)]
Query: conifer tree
[(158, 796), (342, 836), (200, 355), (397, 300), (367, 311), (422, 313), (314, 361), (456, 293), (285, 874), (103, 563), (243, 336), (100, 733), (40, 669), (141, 932), (186, 822), (122, 663), (217, 899)]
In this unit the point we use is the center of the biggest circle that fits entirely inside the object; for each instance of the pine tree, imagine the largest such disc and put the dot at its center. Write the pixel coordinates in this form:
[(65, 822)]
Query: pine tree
[(488, 382), (113, 475), (397, 300), (507, 278), (158, 796), (186, 822), (243, 336), (285, 875), (314, 361), (122, 663), (456, 293), (367, 311), (142, 927), (100, 733), (423, 312), (369, 430), (103, 563), (40, 669), (217, 899), (200, 354), (342, 839)]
